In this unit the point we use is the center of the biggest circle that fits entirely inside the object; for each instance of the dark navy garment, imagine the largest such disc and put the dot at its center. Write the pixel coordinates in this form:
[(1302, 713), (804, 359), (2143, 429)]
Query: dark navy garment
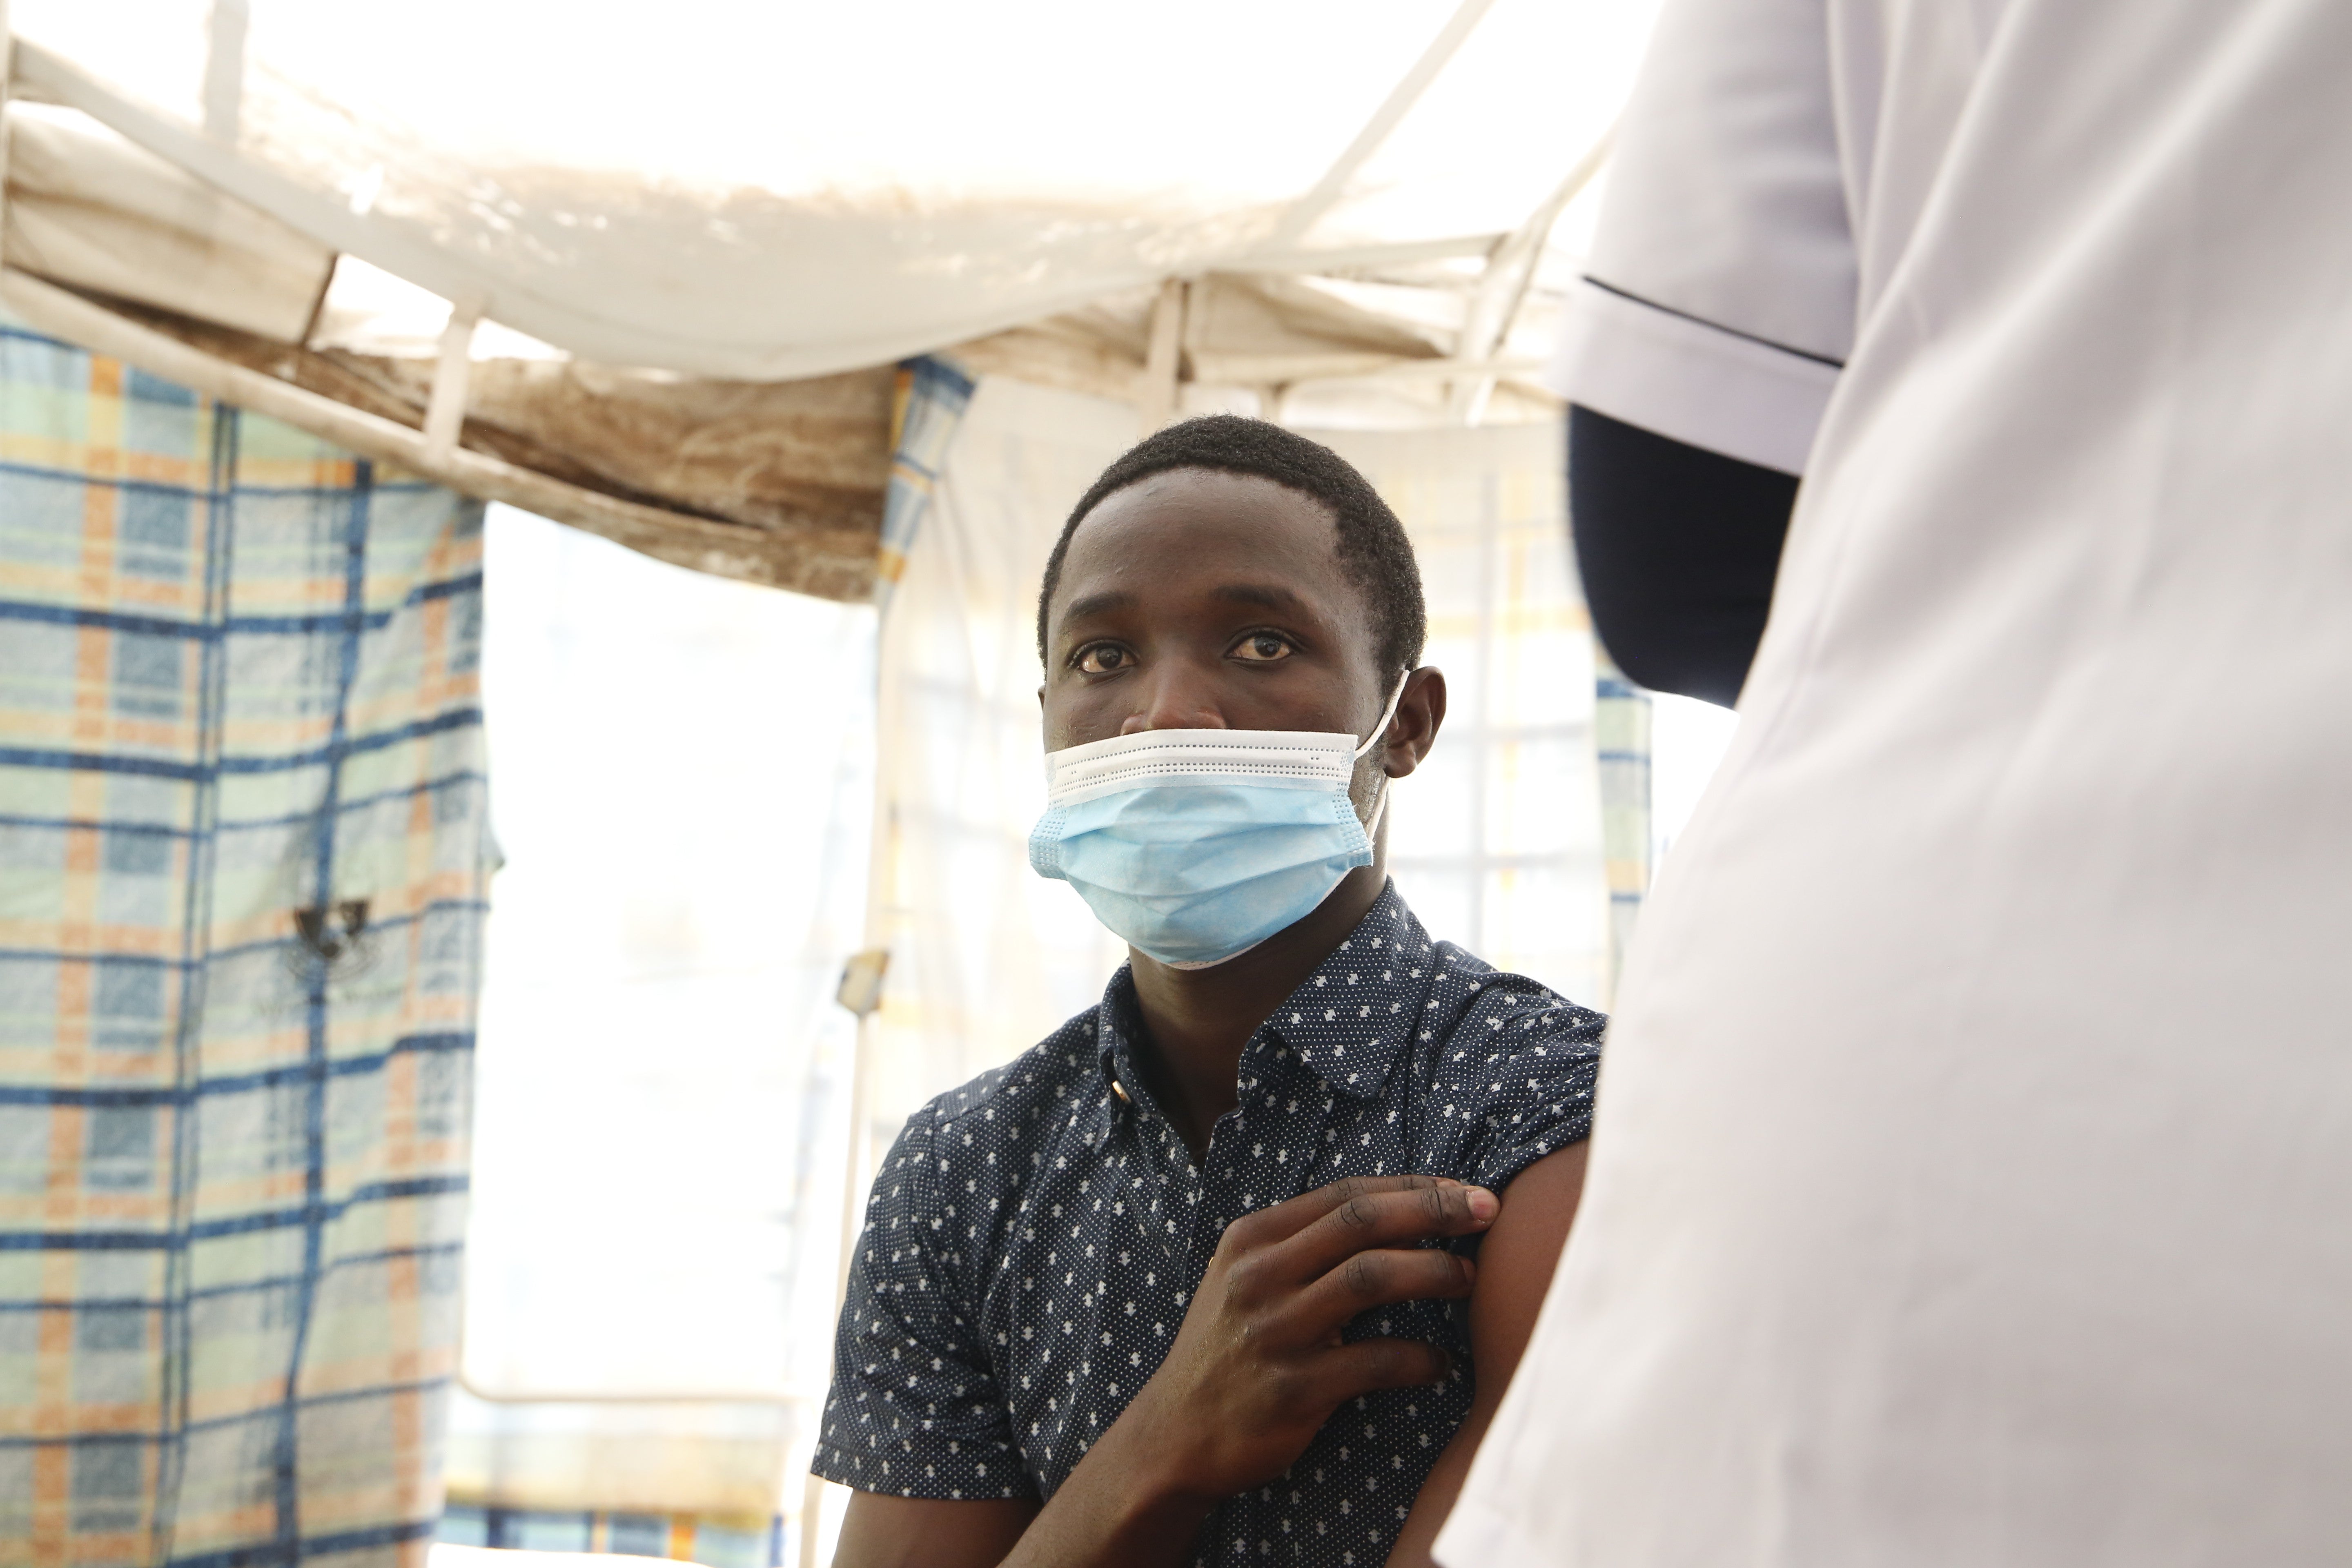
[(1033, 1237)]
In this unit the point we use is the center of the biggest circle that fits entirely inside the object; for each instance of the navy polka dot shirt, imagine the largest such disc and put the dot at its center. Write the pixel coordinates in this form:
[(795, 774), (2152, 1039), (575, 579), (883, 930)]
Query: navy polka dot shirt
[(1033, 1237)]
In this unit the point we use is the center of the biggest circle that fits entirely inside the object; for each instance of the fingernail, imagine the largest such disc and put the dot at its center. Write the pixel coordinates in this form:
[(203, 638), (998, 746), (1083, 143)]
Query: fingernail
[(1483, 1205)]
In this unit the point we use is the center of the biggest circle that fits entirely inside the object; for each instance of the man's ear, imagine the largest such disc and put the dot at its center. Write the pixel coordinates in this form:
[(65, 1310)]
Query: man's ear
[(1420, 713)]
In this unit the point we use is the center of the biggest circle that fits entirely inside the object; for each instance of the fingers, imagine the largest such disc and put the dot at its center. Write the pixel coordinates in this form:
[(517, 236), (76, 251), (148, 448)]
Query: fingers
[(1281, 1221), (1393, 1218), (1379, 1276), (1346, 1371)]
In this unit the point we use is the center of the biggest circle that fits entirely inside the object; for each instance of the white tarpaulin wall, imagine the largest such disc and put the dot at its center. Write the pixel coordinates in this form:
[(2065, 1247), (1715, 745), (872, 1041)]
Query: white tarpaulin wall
[(683, 785), (784, 191)]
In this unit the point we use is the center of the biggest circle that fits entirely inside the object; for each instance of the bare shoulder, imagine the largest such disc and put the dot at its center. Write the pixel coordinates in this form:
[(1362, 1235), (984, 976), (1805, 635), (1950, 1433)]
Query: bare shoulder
[(1518, 1256)]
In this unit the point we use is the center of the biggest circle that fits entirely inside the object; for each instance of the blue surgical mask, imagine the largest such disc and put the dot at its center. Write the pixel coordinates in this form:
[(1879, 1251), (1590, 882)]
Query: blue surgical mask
[(1197, 845)]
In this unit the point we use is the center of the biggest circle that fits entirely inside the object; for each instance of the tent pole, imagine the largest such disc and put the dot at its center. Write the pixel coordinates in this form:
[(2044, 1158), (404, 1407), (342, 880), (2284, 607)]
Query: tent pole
[(1164, 361), (861, 993), (225, 71), (1503, 287), (1407, 92), (445, 411), (861, 1072)]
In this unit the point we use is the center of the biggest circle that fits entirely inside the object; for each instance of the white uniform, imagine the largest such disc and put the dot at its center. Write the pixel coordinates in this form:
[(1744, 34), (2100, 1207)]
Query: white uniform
[(1973, 1180)]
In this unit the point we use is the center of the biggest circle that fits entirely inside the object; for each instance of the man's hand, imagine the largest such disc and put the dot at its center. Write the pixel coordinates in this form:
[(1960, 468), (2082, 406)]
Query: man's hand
[(1257, 1367), (1259, 1364)]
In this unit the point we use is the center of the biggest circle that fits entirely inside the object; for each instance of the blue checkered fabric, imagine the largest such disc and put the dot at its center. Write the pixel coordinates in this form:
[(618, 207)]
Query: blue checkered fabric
[(714, 1542), (243, 856)]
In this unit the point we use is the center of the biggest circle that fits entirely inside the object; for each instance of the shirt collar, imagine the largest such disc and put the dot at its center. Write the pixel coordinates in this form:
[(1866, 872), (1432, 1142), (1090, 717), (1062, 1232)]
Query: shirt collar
[(1340, 1022)]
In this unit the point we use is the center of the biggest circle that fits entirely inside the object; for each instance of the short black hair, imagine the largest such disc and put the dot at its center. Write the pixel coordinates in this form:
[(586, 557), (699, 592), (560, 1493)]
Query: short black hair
[(1373, 549)]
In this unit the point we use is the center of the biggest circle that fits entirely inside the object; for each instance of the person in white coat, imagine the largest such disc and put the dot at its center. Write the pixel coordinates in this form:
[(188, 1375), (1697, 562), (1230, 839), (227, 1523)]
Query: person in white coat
[(1972, 1177)]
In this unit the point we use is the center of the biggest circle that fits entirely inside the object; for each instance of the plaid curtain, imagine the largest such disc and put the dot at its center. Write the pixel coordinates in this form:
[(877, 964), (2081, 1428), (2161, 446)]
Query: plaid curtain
[(710, 1540), (242, 865), (927, 398)]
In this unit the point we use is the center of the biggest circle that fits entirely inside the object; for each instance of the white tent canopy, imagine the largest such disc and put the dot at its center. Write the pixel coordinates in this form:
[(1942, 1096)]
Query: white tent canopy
[(771, 192), (492, 242)]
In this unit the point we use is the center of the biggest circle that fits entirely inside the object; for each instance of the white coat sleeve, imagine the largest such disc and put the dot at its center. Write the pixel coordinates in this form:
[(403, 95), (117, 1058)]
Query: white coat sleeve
[(1718, 303)]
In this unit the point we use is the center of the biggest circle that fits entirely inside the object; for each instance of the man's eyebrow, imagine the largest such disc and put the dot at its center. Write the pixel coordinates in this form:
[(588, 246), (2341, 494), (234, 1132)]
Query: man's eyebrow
[(1097, 603), (1272, 595)]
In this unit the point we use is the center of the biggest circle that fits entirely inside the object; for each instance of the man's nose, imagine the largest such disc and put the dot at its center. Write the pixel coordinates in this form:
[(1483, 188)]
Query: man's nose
[(1177, 698)]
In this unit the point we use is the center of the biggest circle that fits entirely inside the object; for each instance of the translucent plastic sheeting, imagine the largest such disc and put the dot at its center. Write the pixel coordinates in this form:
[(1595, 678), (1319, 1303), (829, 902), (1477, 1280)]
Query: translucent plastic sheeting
[(986, 956), (1495, 837), (786, 190), (89, 207), (682, 790)]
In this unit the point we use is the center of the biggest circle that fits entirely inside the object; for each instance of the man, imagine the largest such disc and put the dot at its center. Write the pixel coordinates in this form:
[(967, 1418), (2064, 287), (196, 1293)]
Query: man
[(1194, 1279), (1974, 1177)]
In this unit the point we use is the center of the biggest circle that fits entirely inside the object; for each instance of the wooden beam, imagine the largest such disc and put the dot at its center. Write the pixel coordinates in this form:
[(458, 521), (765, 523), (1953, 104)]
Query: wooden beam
[(8, 81), (726, 548)]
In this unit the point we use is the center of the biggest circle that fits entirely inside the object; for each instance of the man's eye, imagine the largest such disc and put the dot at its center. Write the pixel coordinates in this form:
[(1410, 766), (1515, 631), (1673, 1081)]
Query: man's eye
[(1102, 658), (1262, 647)]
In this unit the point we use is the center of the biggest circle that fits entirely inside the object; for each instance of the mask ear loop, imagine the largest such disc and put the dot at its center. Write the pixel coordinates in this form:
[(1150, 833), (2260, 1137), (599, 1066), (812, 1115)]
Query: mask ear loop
[(1379, 730)]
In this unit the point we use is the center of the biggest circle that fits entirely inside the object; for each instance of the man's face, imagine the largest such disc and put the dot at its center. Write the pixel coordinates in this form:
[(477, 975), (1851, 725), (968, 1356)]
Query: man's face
[(1207, 601)]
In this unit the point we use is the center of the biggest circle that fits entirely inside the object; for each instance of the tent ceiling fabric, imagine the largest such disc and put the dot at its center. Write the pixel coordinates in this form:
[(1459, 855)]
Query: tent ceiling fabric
[(85, 205), (771, 192), (700, 233)]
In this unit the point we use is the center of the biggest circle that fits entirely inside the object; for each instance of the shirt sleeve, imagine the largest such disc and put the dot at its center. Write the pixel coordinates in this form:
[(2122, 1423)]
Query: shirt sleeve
[(1719, 304), (1678, 548), (914, 1410), (1518, 1077)]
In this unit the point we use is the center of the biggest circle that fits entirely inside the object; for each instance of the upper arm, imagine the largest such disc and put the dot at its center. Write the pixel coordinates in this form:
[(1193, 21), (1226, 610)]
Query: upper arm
[(1516, 1262), (926, 1532), (1525, 1106), (1678, 547)]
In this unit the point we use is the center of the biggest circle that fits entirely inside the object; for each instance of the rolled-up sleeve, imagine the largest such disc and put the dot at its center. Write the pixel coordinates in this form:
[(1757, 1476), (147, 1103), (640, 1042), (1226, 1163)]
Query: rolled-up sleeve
[(915, 1409), (1718, 303), (1517, 1082)]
